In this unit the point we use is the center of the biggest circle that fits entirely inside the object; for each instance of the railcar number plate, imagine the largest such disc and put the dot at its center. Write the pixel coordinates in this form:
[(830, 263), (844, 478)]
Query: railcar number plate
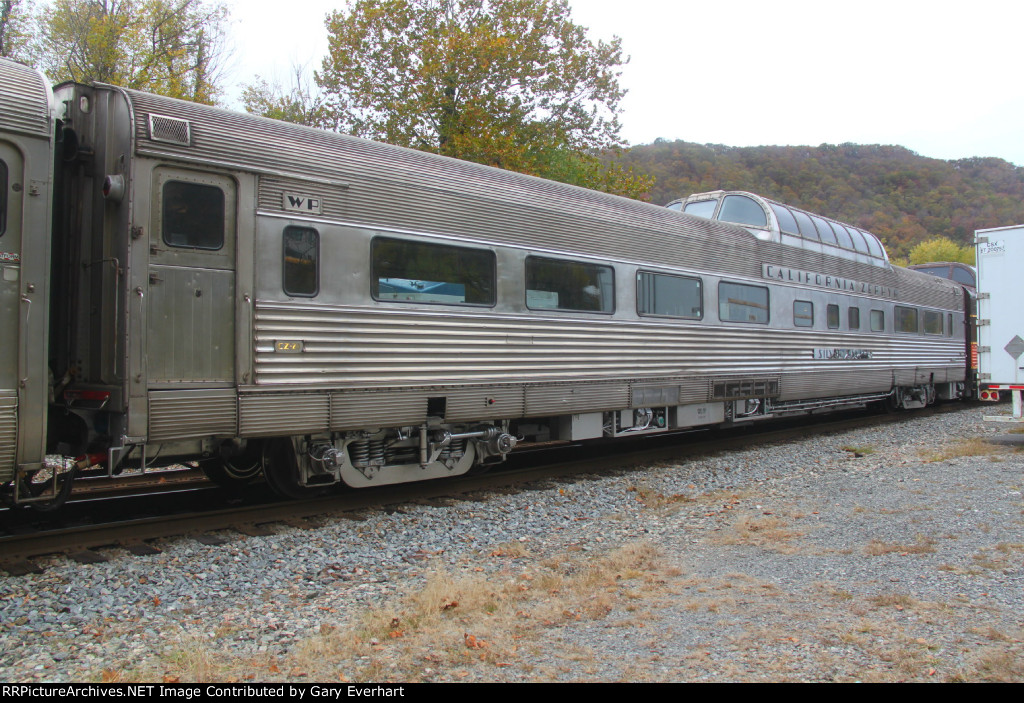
[(288, 347)]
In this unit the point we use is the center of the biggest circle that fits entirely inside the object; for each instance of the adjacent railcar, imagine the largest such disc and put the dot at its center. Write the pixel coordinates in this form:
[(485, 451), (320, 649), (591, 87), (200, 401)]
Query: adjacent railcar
[(964, 274), (26, 177), (319, 309), (967, 276)]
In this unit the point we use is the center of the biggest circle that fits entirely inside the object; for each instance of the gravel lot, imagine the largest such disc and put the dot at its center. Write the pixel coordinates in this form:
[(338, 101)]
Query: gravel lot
[(882, 554)]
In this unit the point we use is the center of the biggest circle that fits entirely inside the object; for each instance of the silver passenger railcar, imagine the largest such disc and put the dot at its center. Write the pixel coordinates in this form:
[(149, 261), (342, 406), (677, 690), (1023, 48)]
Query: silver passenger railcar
[(271, 299), (26, 178)]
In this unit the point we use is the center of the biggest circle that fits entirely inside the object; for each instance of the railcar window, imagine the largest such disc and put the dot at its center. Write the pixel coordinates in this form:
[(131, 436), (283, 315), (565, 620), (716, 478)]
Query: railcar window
[(675, 206), (906, 319), (843, 238), (949, 324), (553, 284), (878, 321), (3, 198), (873, 244), (787, 223), (807, 230), (741, 303), (743, 211), (825, 231), (672, 296), (832, 316), (858, 241), (803, 313), (845, 234), (932, 322), (853, 318), (424, 272), (837, 232), (301, 262), (964, 276), (193, 215), (702, 208)]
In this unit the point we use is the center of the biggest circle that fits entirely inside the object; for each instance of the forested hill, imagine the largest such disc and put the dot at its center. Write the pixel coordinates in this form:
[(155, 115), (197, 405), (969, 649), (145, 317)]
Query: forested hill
[(891, 191)]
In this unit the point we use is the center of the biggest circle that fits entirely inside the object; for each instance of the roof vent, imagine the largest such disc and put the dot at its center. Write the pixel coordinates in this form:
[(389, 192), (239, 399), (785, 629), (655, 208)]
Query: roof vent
[(169, 129)]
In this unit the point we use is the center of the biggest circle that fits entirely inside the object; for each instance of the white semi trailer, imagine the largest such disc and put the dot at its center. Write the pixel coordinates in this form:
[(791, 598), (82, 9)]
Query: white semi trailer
[(1000, 261)]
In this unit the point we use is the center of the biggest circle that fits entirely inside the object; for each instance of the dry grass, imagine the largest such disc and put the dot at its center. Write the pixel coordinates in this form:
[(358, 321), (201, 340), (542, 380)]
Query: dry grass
[(765, 530), (460, 626), (909, 659), (997, 558), (921, 545), (467, 625), (858, 450), (900, 601), (993, 634), (965, 448), (656, 500), (994, 664), (834, 591), (512, 550), (724, 499)]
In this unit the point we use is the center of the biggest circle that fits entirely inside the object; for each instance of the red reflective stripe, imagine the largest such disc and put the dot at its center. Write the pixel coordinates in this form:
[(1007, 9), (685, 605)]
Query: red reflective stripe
[(87, 395)]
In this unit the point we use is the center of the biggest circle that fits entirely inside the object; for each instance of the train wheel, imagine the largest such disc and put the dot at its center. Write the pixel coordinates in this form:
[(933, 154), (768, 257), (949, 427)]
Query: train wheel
[(234, 471), (281, 471)]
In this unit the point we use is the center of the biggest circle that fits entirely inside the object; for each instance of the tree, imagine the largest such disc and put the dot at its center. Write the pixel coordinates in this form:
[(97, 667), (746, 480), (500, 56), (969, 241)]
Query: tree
[(170, 47), (509, 83), (16, 30), (299, 104), (941, 249), (605, 173)]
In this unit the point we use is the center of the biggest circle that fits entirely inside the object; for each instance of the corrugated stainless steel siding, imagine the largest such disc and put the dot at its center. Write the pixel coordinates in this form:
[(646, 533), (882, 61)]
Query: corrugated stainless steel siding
[(360, 409), (24, 100), (924, 374), (694, 390), (643, 396), (379, 408), (192, 413), (567, 399), (797, 386), (383, 186), (8, 434), (282, 414), (361, 348), (484, 403)]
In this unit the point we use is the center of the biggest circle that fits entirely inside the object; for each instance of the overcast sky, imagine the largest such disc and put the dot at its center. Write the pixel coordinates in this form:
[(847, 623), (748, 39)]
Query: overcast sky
[(939, 77)]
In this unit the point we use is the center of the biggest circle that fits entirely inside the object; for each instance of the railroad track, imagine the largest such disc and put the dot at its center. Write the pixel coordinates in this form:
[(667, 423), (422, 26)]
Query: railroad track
[(261, 514)]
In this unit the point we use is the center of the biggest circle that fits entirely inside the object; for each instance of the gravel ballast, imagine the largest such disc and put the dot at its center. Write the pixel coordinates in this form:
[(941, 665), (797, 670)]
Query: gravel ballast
[(894, 552)]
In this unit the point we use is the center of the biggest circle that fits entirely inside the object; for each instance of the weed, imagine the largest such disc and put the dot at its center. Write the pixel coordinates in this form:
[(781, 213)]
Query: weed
[(992, 634), (765, 531), (993, 664), (192, 660), (839, 593), (922, 545), (462, 622), (965, 448), (900, 601)]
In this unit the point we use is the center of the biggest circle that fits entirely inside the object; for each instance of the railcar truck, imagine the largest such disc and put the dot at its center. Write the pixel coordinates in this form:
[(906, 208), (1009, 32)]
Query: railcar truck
[(1000, 260)]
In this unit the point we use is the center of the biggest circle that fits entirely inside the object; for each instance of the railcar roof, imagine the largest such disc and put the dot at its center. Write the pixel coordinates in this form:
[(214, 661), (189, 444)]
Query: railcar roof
[(768, 218), (365, 183), (26, 99)]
